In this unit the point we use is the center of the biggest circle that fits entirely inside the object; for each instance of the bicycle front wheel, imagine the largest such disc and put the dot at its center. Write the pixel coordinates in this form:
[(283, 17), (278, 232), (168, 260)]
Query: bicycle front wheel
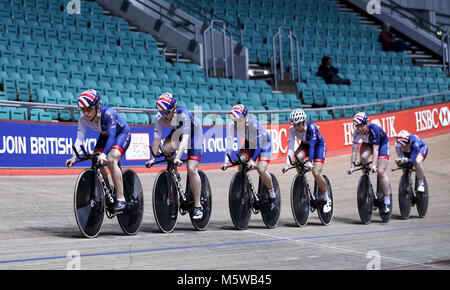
[(130, 220), (89, 203), (404, 196), (300, 201), (165, 202), (239, 201), (365, 199)]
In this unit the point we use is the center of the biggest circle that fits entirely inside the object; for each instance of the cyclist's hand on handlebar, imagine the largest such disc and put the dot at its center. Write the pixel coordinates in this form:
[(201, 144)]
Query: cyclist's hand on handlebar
[(398, 161), (251, 165), (350, 170), (101, 159), (178, 162), (373, 169), (224, 167), (149, 163), (70, 162), (309, 165)]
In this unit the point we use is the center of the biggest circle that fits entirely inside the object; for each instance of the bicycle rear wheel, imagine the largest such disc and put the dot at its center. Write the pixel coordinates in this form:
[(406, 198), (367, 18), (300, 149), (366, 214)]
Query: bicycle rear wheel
[(130, 220), (205, 200), (325, 218), (239, 201), (89, 203), (365, 199), (385, 217), (270, 215), (300, 201), (165, 202), (422, 199), (404, 196)]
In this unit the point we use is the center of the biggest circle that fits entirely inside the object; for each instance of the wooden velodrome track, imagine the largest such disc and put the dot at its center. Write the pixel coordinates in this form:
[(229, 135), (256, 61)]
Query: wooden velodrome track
[(38, 229)]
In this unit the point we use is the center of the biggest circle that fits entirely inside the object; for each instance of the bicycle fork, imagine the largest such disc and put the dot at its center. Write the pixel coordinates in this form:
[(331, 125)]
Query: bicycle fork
[(182, 210), (108, 193)]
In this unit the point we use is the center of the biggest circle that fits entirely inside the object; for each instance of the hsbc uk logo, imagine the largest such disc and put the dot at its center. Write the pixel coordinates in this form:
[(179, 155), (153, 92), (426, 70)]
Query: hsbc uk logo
[(430, 119)]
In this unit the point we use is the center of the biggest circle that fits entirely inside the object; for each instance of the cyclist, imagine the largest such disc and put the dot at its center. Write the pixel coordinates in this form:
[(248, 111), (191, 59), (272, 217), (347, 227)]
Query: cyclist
[(313, 146), (376, 142), (186, 134), (112, 143), (413, 150), (258, 145)]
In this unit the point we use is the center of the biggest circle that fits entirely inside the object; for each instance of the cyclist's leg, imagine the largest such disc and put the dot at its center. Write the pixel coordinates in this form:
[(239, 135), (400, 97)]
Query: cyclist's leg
[(99, 148), (365, 152), (423, 152), (301, 153), (382, 164), (118, 150), (318, 161)]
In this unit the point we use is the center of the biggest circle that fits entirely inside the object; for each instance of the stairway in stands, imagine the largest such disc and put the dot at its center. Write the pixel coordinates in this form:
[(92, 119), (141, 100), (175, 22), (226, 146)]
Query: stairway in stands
[(420, 55)]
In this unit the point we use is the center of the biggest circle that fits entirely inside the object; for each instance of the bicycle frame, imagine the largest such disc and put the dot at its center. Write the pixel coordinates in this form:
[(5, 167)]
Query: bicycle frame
[(302, 173), (245, 170), (364, 166), (108, 193), (173, 173)]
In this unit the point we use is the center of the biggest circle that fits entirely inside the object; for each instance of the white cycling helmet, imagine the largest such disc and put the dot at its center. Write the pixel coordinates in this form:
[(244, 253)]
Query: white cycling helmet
[(297, 116)]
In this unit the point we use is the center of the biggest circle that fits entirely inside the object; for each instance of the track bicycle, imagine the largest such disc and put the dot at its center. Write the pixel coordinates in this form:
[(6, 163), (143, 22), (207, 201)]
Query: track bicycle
[(169, 198), (304, 200), (243, 198), (368, 199), (408, 196), (93, 198)]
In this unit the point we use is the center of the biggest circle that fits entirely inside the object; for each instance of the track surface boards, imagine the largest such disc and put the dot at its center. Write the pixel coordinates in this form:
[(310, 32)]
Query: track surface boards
[(38, 229)]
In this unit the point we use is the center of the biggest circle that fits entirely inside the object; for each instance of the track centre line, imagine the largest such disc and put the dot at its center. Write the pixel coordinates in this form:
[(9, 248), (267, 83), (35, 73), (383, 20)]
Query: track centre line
[(338, 249), (277, 239)]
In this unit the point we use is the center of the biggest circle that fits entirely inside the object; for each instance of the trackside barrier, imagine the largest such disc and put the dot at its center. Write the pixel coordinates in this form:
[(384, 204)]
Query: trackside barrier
[(27, 144)]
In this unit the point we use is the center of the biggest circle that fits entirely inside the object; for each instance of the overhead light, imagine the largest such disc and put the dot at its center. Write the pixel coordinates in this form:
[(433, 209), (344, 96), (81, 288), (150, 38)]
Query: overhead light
[(266, 72)]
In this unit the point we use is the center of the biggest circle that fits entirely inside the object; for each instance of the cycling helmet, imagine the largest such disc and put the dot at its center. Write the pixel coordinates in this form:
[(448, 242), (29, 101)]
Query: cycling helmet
[(238, 112), (297, 116), (89, 98), (165, 103), (403, 137), (360, 119)]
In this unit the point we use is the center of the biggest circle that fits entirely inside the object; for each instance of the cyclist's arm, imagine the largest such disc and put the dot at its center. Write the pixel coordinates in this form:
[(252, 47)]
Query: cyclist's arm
[(81, 133), (291, 145), (414, 152), (311, 134), (183, 145), (399, 151), (112, 129), (229, 141), (354, 148)]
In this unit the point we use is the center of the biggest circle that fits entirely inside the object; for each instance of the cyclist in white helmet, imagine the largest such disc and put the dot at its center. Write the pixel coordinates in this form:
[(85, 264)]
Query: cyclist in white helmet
[(312, 146), (413, 150)]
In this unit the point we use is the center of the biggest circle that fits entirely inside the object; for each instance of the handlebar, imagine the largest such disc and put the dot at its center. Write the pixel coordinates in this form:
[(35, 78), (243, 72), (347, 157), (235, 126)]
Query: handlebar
[(236, 162), (167, 156), (86, 155), (296, 164), (362, 165), (406, 166)]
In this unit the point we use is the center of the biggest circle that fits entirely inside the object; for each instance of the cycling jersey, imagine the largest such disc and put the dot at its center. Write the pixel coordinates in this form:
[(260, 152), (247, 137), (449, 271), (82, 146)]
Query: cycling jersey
[(418, 147), (311, 142), (375, 136), (258, 143), (183, 122), (114, 131)]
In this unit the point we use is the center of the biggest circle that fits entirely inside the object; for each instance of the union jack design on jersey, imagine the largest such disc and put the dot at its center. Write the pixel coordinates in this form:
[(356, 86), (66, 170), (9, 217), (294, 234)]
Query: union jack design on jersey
[(238, 112), (166, 102), (89, 98), (360, 119)]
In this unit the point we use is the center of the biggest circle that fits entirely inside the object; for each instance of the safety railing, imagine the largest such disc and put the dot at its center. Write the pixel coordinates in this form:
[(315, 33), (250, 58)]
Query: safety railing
[(198, 110)]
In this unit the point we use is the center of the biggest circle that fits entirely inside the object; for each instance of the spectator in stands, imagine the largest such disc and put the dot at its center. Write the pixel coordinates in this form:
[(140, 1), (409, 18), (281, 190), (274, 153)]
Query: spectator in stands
[(329, 73), (389, 42)]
